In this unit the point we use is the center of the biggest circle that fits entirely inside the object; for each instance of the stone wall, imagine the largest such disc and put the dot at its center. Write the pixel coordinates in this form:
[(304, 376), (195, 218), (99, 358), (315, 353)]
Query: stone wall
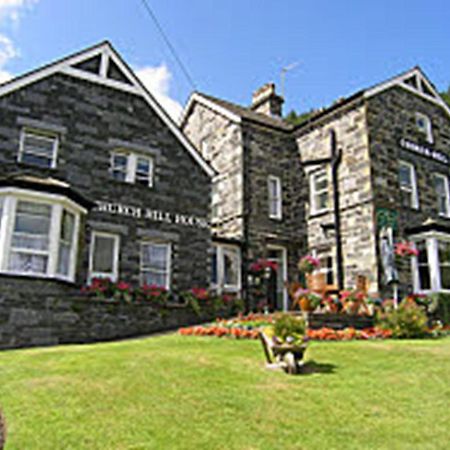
[(391, 117), (28, 320), (219, 140), (357, 212), (92, 121)]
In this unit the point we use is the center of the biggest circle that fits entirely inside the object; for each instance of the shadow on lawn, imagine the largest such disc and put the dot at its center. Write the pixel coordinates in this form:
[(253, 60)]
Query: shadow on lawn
[(311, 367)]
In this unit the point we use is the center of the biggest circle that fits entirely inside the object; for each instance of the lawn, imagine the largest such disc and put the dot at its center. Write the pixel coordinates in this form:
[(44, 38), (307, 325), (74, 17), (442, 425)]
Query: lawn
[(174, 392)]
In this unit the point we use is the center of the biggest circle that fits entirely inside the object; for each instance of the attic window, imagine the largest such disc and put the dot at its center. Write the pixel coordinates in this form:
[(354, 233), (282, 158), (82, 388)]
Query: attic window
[(412, 81), (423, 124)]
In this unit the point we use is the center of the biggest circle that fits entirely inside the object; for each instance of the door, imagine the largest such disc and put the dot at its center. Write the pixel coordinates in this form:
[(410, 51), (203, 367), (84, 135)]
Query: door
[(278, 255)]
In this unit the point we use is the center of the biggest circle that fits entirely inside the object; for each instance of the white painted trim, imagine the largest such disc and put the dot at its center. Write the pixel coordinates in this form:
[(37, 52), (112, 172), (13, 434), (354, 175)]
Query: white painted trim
[(414, 189), (313, 193), (444, 178), (197, 97), (131, 166), (284, 273), (428, 126), (26, 131), (279, 197), (114, 275), (168, 269), (220, 268), (399, 81), (65, 66)]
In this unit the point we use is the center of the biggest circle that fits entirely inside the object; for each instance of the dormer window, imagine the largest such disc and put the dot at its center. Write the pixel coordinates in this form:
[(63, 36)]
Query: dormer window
[(132, 168), (423, 125), (38, 148)]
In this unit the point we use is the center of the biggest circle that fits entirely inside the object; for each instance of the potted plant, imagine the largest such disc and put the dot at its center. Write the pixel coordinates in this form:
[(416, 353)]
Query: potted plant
[(308, 301), (353, 301), (308, 264)]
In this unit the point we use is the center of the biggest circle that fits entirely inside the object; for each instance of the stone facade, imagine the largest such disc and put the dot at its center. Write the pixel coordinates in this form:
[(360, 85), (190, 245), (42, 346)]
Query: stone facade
[(91, 120), (355, 189)]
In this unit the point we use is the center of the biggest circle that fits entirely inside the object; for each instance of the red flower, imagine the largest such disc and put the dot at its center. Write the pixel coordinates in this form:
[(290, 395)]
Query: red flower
[(123, 286)]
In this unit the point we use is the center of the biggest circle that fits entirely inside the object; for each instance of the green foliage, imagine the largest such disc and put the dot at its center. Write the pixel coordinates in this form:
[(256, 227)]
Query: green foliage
[(407, 322), (289, 325), (446, 96), (296, 119), (442, 307)]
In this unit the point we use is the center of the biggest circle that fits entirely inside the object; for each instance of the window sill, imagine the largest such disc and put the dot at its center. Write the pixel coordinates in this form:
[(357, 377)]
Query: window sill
[(320, 213), (35, 166), (276, 218), (36, 276)]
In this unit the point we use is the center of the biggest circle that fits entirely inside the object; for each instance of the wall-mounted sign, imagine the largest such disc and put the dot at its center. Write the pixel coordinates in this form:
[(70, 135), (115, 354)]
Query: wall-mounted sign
[(386, 218), (154, 215), (424, 151)]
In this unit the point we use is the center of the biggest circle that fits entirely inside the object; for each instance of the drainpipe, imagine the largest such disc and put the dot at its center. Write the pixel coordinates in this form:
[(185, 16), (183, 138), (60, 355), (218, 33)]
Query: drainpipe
[(336, 157)]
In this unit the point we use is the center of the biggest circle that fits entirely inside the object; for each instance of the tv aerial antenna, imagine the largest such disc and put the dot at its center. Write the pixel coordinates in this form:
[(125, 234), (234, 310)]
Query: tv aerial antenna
[(284, 71)]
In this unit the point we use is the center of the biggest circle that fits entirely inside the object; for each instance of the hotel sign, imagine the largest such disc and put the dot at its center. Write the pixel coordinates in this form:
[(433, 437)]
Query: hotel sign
[(424, 151), (155, 215)]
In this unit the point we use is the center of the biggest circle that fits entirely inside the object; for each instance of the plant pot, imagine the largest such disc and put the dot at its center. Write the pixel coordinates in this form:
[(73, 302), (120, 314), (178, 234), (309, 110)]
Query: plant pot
[(305, 304), (316, 282)]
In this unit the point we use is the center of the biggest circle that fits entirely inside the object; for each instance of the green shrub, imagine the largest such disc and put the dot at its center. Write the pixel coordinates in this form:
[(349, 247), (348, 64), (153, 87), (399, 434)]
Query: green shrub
[(442, 307), (288, 325), (406, 322)]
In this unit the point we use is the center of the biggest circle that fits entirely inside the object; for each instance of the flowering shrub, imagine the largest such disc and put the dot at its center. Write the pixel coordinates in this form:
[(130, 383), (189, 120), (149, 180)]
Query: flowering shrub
[(201, 299), (408, 321), (261, 265), (157, 295), (405, 249), (308, 264), (106, 289), (328, 334), (354, 302)]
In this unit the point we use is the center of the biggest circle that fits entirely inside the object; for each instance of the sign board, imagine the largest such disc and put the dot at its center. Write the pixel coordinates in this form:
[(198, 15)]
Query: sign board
[(153, 215), (387, 218), (424, 151)]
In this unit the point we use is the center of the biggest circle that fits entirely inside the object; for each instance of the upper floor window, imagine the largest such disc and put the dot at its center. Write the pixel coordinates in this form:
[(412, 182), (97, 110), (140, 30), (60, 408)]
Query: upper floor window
[(275, 197), (408, 185), (423, 124), (39, 235), (318, 185), (132, 168), (39, 149), (155, 264), (442, 193)]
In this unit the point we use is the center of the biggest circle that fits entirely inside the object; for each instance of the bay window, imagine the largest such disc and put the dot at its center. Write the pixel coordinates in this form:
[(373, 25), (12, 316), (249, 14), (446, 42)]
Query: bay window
[(38, 234), (431, 268)]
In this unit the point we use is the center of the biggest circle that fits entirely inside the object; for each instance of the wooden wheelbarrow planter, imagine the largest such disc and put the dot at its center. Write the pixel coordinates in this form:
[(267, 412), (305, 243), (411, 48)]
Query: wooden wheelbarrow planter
[(285, 356)]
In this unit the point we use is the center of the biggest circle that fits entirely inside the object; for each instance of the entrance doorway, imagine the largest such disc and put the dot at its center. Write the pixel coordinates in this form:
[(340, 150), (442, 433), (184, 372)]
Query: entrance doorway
[(278, 255)]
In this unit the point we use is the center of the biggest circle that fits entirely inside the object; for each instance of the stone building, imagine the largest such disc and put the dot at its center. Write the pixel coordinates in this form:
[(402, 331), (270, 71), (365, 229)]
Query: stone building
[(257, 207), (392, 182), (371, 169), (96, 180)]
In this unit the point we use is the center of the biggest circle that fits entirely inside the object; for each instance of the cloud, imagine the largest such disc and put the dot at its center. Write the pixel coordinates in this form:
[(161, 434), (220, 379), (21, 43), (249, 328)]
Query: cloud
[(10, 11), (157, 80)]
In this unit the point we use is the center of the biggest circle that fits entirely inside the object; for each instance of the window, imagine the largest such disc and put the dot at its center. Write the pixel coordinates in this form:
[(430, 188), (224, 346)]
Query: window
[(30, 241), (275, 197), (444, 263), (38, 149), (441, 187), (422, 266), (155, 264), (132, 168), (431, 268), (104, 256), (318, 183), (38, 234), (408, 186), (226, 267), (423, 125)]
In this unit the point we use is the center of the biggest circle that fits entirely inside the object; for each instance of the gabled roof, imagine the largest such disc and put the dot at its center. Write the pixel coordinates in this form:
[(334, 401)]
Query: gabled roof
[(236, 113), (101, 64), (413, 80)]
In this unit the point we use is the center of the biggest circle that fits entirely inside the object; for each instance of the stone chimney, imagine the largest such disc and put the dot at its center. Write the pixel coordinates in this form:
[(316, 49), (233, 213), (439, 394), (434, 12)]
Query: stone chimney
[(266, 101)]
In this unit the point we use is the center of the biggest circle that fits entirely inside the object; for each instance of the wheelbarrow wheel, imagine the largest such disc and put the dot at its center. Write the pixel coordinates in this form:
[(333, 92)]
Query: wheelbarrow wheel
[(291, 364)]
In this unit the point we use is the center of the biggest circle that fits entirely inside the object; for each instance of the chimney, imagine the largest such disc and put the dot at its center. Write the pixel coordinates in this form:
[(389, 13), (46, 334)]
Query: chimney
[(266, 101)]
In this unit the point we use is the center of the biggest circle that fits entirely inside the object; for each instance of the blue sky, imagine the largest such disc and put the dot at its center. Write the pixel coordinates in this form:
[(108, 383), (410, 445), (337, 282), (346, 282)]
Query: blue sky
[(231, 47)]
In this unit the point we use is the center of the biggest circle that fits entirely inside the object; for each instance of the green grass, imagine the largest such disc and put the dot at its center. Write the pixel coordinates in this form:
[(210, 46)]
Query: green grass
[(173, 392)]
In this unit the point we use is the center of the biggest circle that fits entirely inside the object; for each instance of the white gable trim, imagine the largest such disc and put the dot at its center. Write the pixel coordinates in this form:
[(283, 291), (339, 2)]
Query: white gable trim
[(400, 81), (197, 97), (136, 87)]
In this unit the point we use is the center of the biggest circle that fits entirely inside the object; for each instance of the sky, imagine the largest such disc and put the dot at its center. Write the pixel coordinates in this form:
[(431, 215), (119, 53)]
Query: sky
[(232, 47)]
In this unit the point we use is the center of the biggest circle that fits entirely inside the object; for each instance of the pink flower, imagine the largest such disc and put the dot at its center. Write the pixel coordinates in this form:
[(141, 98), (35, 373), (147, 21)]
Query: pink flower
[(123, 286)]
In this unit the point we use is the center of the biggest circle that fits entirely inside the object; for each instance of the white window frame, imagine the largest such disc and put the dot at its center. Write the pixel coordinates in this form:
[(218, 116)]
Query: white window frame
[(314, 193), (432, 240), (444, 178), (114, 275), (11, 196), (221, 249), (428, 130), (277, 200), (131, 166), (413, 191), (39, 134), (168, 269)]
